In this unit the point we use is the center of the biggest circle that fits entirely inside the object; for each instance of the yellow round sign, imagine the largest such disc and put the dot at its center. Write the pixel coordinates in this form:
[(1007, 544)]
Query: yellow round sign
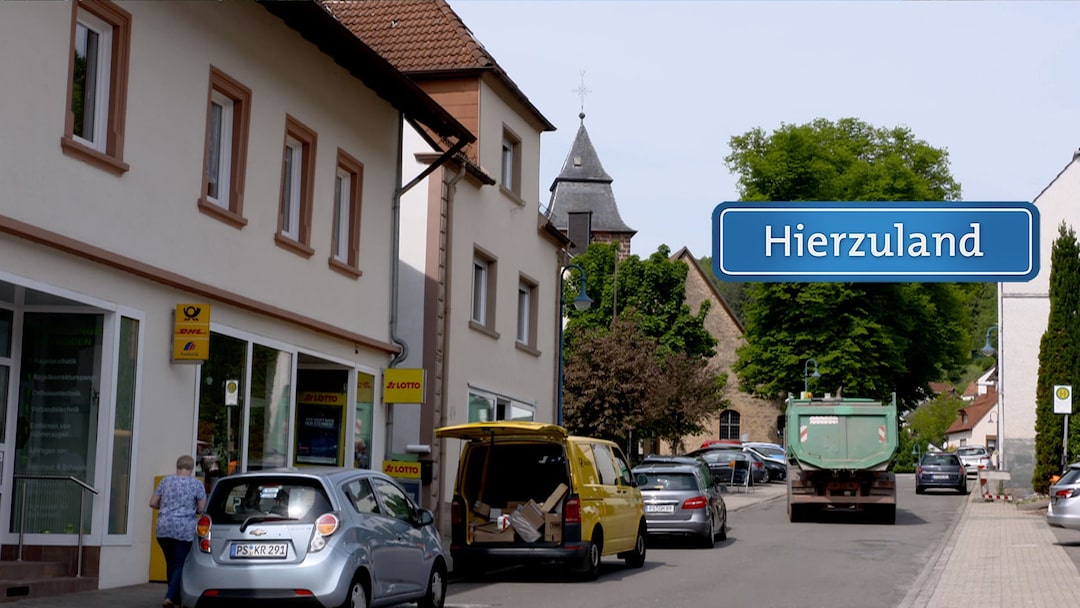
[(1063, 392)]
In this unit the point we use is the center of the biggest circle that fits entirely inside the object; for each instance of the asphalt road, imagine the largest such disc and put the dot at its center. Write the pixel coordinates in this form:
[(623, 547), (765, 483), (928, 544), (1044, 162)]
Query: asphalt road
[(766, 562)]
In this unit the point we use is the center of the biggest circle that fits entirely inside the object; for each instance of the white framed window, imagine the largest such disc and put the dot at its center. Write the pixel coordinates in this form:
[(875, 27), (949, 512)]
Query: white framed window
[(219, 149), (292, 179), (345, 231), (342, 214), (228, 117), (479, 290), (510, 175), (92, 80), (526, 313), (95, 114), (488, 406)]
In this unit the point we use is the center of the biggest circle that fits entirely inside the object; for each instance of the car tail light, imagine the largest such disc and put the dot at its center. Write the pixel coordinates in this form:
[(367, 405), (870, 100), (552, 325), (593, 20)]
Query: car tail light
[(572, 510), (918, 469), (1069, 493), (202, 529), (758, 465), (326, 525), (697, 502)]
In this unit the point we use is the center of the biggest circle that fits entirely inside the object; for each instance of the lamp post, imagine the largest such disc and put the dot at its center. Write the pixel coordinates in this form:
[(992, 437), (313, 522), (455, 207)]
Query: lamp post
[(807, 375), (581, 302), (989, 351)]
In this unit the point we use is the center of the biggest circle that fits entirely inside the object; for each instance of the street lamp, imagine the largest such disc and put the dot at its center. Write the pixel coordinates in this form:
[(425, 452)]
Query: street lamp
[(807, 375), (988, 351), (581, 302)]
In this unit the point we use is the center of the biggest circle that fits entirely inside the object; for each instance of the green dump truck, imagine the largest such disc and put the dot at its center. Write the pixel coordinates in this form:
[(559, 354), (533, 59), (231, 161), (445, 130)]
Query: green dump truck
[(839, 452)]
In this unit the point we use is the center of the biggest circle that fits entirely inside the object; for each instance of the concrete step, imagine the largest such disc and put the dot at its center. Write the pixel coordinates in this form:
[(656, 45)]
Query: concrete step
[(26, 579)]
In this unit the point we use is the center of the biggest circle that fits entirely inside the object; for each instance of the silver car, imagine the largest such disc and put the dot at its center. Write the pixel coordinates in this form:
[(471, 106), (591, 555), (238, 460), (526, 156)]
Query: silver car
[(681, 498), (1064, 509), (316, 537)]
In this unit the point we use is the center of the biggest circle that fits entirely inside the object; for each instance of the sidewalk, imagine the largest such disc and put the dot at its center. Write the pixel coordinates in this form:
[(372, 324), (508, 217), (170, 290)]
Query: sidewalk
[(996, 555)]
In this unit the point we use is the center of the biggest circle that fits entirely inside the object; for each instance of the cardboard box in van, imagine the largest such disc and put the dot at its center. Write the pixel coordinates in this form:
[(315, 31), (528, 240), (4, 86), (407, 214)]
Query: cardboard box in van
[(549, 504)]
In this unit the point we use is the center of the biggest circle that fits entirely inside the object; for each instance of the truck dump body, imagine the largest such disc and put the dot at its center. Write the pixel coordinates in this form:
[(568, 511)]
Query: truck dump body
[(848, 435), (839, 453)]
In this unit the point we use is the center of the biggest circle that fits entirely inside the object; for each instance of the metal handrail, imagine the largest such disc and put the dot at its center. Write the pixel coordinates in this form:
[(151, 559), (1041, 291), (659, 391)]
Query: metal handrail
[(82, 498)]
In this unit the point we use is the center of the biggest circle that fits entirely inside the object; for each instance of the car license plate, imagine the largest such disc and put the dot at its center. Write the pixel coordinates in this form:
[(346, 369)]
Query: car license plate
[(941, 476), (259, 551), (659, 508)]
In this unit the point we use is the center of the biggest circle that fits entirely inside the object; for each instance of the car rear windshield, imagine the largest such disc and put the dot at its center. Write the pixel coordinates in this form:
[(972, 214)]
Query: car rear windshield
[(669, 481), (1071, 477), (723, 456), (971, 451), (941, 459), (235, 499)]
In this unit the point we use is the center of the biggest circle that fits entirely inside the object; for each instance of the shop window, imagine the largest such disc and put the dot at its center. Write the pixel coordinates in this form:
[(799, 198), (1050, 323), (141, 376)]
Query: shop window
[(365, 398), (123, 425), (269, 408), (319, 427), (220, 419), (58, 409)]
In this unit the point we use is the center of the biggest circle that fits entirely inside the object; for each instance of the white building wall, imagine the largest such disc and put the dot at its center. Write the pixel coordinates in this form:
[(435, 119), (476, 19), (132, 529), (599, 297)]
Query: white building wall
[(1024, 312)]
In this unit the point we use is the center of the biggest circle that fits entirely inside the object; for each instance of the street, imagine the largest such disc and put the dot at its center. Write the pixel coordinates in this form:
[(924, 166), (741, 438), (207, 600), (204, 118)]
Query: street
[(766, 561)]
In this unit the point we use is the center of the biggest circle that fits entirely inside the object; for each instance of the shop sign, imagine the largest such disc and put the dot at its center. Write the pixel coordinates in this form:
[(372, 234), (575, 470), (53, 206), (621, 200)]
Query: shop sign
[(191, 332), (401, 469), (402, 385)]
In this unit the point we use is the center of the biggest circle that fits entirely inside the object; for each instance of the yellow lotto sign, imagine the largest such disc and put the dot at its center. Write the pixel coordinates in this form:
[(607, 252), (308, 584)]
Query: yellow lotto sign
[(401, 469), (191, 332), (403, 385)]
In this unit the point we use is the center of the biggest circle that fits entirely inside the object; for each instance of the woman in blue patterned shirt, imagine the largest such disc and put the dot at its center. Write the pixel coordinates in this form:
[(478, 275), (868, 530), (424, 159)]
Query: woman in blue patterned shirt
[(179, 499)]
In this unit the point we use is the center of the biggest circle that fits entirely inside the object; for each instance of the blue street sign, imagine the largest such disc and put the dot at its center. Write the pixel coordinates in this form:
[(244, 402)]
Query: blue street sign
[(804, 242)]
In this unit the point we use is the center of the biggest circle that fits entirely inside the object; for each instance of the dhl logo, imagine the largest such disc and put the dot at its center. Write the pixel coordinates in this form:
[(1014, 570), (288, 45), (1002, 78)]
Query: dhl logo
[(191, 331)]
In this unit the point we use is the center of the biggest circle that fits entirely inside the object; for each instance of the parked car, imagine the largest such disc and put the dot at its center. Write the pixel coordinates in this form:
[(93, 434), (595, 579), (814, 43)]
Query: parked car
[(682, 498), (331, 536), (775, 467), (768, 450), (719, 460), (1064, 509), (974, 457), (940, 470), (582, 500)]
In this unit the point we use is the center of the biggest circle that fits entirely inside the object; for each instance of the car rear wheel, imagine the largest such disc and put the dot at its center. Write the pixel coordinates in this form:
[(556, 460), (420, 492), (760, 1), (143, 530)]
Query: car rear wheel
[(708, 540), (358, 594), (919, 489), (591, 566), (435, 596), (722, 533)]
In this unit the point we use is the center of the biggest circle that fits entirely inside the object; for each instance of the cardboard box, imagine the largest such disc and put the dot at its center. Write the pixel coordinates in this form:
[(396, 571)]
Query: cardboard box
[(482, 509), (532, 514), (490, 533), (549, 504), (553, 527)]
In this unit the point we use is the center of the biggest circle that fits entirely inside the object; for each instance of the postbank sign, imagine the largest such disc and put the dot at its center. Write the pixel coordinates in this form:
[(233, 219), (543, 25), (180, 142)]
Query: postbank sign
[(191, 332), (876, 241)]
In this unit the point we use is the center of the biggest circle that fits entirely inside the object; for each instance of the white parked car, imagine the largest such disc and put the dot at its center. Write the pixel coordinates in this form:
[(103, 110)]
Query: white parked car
[(973, 457)]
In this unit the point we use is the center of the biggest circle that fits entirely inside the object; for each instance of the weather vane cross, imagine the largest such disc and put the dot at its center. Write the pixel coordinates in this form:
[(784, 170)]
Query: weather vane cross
[(582, 91)]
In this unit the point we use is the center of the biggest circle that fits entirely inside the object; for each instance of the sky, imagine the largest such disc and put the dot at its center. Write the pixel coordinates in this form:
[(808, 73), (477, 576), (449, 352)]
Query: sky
[(669, 83)]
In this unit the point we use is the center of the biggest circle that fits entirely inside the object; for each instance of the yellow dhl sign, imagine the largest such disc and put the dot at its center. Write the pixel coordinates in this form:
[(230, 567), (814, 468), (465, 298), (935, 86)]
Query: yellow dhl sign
[(191, 332), (402, 469)]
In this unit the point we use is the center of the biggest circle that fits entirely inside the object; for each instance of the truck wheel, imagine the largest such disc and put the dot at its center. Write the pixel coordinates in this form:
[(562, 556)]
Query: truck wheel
[(635, 558), (590, 567)]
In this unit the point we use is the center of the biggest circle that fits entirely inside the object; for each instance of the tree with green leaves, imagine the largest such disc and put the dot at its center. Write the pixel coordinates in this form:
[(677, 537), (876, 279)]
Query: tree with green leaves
[(1057, 356), (636, 360), (869, 339)]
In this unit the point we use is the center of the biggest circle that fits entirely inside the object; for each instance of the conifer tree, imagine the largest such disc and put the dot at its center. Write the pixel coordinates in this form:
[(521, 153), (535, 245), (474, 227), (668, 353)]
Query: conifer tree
[(1057, 355)]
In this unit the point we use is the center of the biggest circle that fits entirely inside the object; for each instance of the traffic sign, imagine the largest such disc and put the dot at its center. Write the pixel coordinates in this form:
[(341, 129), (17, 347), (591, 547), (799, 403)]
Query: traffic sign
[(1063, 399), (876, 241)]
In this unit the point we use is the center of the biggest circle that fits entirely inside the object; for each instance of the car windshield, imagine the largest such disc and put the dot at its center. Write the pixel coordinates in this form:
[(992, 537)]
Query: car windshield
[(235, 499), (668, 481), (941, 459), (774, 453)]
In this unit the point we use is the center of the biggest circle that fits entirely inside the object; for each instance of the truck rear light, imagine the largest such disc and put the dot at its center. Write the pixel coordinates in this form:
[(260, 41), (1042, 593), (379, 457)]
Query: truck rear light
[(572, 510), (697, 502), (457, 512)]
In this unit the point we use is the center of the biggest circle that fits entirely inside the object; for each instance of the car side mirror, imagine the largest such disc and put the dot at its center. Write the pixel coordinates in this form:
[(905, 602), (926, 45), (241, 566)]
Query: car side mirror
[(425, 518), (640, 479)]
